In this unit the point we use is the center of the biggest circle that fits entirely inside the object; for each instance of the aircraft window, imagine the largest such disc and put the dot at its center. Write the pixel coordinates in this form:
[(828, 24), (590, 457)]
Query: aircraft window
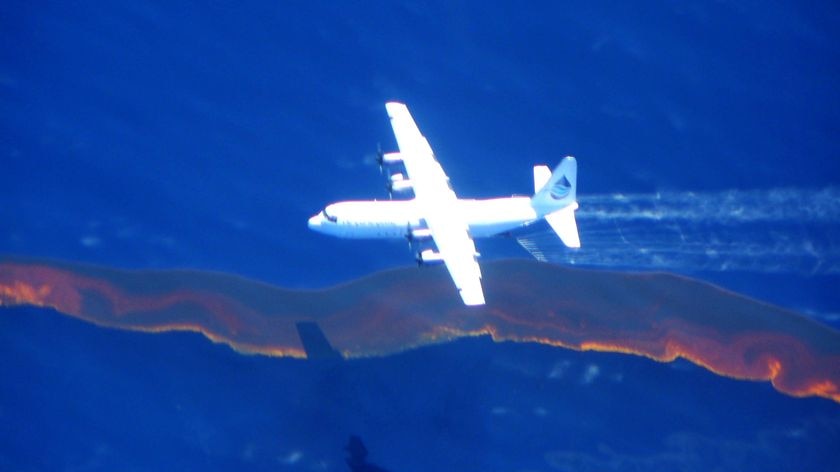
[(329, 217)]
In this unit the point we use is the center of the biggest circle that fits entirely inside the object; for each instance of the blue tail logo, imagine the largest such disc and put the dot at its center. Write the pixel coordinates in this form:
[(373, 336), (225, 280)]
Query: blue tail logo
[(560, 189)]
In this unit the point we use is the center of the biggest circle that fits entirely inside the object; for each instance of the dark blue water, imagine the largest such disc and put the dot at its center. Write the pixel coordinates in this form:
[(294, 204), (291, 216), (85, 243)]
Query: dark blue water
[(77, 396), (203, 135)]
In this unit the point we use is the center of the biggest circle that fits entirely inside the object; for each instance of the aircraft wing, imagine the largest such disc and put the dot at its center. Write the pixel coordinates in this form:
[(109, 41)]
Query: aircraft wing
[(438, 205)]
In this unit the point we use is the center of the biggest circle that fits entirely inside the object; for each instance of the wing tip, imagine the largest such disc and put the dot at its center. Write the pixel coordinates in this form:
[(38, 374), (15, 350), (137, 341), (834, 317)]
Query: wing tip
[(394, 107), (472, 297)]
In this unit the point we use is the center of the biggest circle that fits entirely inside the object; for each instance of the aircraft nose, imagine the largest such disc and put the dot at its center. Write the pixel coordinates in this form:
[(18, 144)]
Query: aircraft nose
[(315, 222)]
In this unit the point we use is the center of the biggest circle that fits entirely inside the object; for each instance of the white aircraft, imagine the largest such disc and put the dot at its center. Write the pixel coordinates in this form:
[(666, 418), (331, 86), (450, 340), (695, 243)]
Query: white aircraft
[(436, 215)]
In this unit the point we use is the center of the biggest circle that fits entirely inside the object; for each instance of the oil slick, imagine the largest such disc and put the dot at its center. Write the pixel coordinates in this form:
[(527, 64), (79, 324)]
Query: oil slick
[(659, 316)]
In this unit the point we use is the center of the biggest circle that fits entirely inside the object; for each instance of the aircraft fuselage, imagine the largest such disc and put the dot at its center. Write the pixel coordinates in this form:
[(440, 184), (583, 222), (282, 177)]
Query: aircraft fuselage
[(403, 218), (436, 216)]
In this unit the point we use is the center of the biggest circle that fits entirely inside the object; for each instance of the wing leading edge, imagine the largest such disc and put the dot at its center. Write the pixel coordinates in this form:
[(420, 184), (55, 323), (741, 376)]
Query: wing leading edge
[(438, 205)]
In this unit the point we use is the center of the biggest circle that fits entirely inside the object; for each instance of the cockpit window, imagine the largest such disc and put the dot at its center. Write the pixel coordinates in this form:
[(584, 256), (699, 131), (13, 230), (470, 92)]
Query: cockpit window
[(329, 217)]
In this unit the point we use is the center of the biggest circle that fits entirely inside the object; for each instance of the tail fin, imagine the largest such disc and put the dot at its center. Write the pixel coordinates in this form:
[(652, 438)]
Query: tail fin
[(557, 191), (556, 199)]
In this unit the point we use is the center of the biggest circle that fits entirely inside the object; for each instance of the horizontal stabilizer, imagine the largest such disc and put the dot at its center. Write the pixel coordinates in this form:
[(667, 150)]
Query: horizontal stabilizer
[(541, 176), (563, 223)]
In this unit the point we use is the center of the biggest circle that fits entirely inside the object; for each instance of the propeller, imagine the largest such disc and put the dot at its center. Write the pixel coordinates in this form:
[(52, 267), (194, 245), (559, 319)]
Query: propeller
[(380, 159), (380, 156), (409, 237)]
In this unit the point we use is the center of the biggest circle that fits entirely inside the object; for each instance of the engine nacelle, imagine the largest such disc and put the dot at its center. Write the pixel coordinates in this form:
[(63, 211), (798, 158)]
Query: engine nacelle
[(398, 183), (429, 257), (390, 158), (420, 233)]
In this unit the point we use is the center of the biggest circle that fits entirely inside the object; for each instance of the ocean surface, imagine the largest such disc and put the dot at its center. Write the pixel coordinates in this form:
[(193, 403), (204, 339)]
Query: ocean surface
[(202, 135)]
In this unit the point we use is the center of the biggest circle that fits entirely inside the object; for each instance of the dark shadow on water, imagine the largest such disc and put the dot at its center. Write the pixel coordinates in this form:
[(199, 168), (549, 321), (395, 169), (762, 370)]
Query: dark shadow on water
[(357, 457)]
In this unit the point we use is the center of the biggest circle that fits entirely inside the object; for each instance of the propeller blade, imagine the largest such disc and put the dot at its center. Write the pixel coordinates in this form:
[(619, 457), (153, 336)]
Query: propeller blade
[(379, 156)]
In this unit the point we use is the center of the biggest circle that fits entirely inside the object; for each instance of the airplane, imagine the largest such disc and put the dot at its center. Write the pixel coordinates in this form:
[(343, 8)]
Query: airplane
[(437, 217)]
